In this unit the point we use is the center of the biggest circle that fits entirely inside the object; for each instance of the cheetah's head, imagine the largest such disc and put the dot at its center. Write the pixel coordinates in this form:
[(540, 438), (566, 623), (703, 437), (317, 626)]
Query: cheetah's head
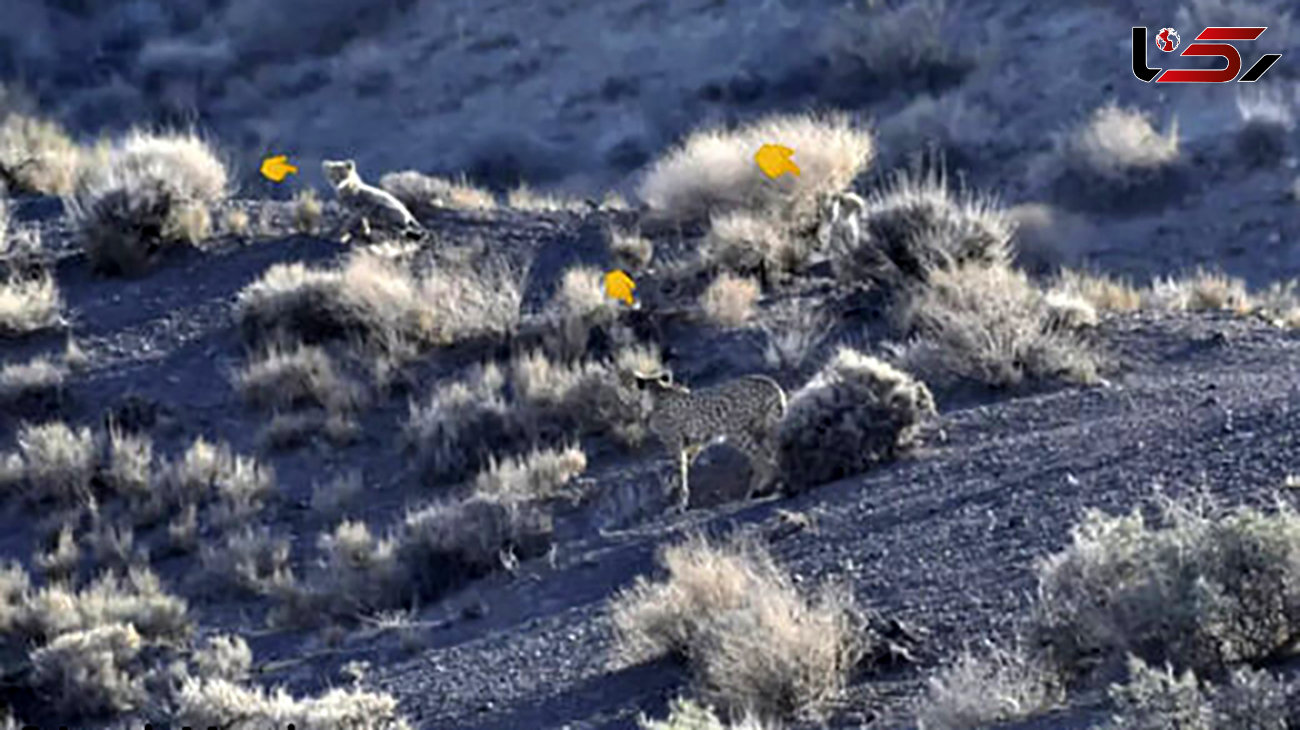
[(337, 171), (660, 381)]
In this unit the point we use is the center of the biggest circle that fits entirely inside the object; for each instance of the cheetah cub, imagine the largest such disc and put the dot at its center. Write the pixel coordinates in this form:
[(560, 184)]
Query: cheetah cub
[(840, 226), (742, 413), (364, 204)]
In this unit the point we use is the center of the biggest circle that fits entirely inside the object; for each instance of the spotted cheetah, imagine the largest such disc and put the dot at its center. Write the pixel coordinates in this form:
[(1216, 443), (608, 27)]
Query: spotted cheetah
[(742, 413), (366, 204)]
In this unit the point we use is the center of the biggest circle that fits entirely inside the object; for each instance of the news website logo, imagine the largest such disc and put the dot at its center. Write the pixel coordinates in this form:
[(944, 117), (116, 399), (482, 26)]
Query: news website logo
[(1167, 40)]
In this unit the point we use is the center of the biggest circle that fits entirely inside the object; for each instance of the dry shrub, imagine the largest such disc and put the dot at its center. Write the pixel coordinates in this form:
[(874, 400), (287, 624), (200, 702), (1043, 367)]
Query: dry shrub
[(388, 307), (1116, 153), (462, 422), (542, 475), (915, 225), (251, 560), (55, 462), (304, 375), (729, 300), (948, 124), (38, 157), (424, 194), (580, 307), (989, 325), (900, 44), (308, 212), (857, 412), (217, 702), (631, 250), (1267, 122), (136, 598), (1202, 590), (89, 673), (686, 714), (153, 192), (38, 380), (1104, 292), (1200, 291), (524, 197), (713, 171), (981, 690), (749, 242), (29, 304), (754, 642), (234, 486)]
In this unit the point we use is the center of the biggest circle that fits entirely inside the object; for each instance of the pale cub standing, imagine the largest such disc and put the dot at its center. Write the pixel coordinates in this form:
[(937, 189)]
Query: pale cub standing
[(364, 205), (742, 413)]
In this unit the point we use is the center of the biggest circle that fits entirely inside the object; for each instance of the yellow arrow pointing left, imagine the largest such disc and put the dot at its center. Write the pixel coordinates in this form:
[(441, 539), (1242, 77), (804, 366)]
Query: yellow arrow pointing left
[(277, 168)]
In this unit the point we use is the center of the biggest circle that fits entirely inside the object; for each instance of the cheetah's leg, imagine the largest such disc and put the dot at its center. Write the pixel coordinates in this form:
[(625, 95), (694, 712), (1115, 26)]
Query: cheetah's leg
[(365, 227)]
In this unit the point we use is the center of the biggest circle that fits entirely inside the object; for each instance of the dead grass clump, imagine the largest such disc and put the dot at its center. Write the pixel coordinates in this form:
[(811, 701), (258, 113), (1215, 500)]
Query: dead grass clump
[(207, 474), (684, 714), (1200, 291), (729, 300), (55, 462), (38, 157), (251, 560), (1202, 589), (153, 192), (462, 422), (997, 686), (748, 242), (217, 702), (29, 304), (89, 672), (1115, 154), (543, 475), (1267, 122), (915, 225), (525, 197), (989, 325), (580, 307), (754, 642), (631, 251), (1104, 292), (308, 212), (39, 380), (1156, 699), (857, 412), (375, 299), (135, 598), (713, 170), (286, 378), (424, 194)]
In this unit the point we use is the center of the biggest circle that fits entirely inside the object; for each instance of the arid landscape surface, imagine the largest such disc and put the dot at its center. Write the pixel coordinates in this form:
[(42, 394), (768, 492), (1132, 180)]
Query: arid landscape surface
[(266, 459)]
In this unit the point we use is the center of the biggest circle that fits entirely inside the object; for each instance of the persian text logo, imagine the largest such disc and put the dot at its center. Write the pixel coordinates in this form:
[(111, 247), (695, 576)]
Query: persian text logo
[(1168, 39)]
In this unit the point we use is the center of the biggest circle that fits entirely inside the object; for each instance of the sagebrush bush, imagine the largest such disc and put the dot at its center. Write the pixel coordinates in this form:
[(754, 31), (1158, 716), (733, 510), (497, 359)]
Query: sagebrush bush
[(579, 307), (136, 598), (40, 379), (388, 307), (1104, 292), (29, 304), (857, 412), (1267, 122), (424, 194), (544, 474), (152, 192), (914, 225), (982, 690), (989, 325), (754, 643), (1201, 590), (748, 242), (38, 157), (1115, 152), (55, 462), (462, 422), (729, 300), (292, 377), (524, 197), (713, 171), (251, 560), (89, 672), (222, 703), (1201, 290), (231, 485), (686, 714), (901, 44)]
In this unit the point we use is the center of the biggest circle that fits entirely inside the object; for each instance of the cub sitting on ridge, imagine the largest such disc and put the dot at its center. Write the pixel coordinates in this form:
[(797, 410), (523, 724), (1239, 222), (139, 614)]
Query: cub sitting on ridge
[(364, 204)]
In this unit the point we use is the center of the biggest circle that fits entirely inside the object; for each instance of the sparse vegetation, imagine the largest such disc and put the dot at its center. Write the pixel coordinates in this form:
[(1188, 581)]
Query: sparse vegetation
[(1267, 122), (1116, 153), (729, 300), (37, 156), (542, 475), (424, 194), (981, 690), (857, 412), (684, 714), (747, 242), (753, 641), (304, 375), (524, 197), (153, 192), (308, 212), (580, 306), (29, 304), (1200, 291), (712, 171), (40, 379), (900, 43), (1104, 292)]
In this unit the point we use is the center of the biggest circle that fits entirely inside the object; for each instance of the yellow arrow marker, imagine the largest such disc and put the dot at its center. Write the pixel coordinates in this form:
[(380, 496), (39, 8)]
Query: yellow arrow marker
[(277, 168), (774, 160), (618, 285)]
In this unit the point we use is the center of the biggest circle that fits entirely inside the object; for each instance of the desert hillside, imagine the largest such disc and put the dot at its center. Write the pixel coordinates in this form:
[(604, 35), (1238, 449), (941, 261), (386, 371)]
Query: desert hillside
[(560, 397)]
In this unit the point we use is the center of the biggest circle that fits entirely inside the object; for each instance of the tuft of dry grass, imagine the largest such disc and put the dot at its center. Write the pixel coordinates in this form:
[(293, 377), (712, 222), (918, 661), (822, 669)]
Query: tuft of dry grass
[(686, 714), (29, 304), (712, 171), (40, 379), (251, 560), (989, 325), (1117, 150), (424, 194), (579, 307), (747, 242), (38, 157), (900, 43), (542, 475), (729, 300), (525, 197), (291, 377), (1200, 291), (996, 686), (1104, 292), (236, 222), (54, 462), (308, 212), (218, 702), (754, 643), (152, 192)]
